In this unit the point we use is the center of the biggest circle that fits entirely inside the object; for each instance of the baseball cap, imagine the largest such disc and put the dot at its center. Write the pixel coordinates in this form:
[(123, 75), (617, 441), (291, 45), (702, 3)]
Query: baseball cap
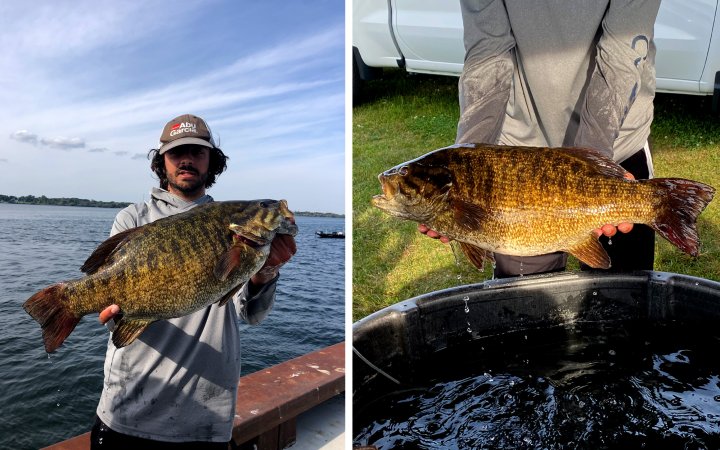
[(185, 129)]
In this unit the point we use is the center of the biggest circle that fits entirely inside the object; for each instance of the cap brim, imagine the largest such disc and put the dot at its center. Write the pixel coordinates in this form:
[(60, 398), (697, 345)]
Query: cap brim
[(184, 141)]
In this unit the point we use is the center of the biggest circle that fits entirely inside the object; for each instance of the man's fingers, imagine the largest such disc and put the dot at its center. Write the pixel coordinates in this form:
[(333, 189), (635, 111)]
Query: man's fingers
[(108, 313), (609, 230), (625, 227)]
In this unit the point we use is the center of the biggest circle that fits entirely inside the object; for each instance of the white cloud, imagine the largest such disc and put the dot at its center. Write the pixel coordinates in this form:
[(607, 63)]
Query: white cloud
[(63, 143), (25, 136)]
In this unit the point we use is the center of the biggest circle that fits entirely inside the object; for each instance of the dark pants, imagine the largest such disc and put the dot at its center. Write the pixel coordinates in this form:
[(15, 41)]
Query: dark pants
[(102, 437), (629, 251)]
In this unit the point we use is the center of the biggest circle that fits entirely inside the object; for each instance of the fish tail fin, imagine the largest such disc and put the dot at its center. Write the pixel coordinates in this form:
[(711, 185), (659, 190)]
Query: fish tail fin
[(681, 204), (50, 309)]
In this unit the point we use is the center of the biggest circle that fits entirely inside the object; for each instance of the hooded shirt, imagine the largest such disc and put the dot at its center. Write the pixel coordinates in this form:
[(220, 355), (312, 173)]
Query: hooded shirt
[(178, 381), (553, 73)]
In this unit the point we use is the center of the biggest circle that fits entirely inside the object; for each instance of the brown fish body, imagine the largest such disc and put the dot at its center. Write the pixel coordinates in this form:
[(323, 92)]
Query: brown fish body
[(165, 269), (527, 201)]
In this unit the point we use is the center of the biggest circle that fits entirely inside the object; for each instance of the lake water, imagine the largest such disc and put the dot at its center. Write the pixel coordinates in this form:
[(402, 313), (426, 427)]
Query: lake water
[(45, 399)]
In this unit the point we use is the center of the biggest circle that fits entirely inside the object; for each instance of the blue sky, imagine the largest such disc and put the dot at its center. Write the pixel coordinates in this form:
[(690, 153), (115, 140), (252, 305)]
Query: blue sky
[(86, 87)]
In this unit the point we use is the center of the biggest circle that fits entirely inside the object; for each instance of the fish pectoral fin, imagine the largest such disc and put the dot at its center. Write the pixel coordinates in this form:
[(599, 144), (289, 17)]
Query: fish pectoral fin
[(127, 330), (228, 262), (591, 252), (226, 298), (468, 215), (477, 255), (105, 250)]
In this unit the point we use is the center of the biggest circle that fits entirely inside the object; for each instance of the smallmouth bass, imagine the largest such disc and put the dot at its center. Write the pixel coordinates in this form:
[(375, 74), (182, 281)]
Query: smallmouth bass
[(165, 269), (527, 201)]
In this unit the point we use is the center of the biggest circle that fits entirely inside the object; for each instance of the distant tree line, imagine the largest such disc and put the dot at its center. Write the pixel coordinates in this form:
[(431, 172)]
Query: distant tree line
[(317, 214), (64, 201), (42, 200)]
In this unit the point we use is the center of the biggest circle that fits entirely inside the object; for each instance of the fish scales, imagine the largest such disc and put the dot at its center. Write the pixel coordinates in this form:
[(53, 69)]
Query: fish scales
[(165, 269), (510, 183), (528, 201)]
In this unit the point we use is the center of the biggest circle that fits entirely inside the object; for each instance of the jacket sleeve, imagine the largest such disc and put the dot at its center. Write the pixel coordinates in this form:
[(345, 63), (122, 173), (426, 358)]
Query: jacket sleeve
[(486, 80), (254, 308), (624, 62)]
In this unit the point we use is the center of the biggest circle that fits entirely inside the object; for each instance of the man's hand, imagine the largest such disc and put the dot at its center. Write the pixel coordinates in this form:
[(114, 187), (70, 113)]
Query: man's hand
[(282, 249), (424, 229)]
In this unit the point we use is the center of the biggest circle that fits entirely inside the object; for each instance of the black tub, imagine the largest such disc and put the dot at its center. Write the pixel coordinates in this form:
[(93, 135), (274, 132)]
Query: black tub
[(390, 345)]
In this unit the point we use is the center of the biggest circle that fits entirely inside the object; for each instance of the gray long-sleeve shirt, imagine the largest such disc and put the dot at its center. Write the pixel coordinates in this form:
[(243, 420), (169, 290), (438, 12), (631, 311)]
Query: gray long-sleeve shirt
[(559, 73), (178, 381)]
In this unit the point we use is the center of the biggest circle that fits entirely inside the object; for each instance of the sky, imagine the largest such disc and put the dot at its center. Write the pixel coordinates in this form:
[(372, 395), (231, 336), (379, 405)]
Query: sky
[(87, 86)]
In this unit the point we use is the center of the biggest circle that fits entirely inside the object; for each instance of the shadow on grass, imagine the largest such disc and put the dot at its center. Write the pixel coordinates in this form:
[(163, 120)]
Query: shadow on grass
[(396, 83), (684, 122)]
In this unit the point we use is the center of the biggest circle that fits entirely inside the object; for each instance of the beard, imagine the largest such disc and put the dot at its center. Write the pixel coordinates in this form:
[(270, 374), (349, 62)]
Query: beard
[(187, 186)]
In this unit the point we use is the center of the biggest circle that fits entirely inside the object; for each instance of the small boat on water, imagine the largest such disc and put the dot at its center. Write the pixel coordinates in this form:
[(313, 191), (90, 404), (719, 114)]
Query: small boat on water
[(331, 234)]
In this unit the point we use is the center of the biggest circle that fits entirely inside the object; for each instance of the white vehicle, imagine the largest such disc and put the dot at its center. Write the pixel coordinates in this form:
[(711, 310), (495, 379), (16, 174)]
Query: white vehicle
[(425, 36)]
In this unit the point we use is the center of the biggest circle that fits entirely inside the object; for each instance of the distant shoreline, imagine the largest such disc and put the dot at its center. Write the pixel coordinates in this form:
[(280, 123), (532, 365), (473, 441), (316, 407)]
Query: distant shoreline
[(82, 202)]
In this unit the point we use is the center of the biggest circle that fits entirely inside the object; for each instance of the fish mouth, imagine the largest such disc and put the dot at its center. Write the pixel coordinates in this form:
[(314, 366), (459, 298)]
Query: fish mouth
[(250, 240), (387, 187), (287, 225)]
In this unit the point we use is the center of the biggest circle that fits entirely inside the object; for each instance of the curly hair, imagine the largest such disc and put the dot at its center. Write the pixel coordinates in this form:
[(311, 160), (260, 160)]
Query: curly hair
[(218, 164)]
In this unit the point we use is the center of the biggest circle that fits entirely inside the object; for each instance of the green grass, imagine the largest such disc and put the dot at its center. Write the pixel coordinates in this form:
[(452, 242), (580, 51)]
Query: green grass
[(404, 116)]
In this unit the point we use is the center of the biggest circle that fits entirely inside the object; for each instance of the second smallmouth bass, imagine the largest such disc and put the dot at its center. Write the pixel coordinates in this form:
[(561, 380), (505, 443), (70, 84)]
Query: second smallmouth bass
[(527, 201), (168, 268)]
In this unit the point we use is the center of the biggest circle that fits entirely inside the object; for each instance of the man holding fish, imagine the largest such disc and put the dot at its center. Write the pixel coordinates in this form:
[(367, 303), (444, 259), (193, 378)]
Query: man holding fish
[(559, 74), (176, 385)]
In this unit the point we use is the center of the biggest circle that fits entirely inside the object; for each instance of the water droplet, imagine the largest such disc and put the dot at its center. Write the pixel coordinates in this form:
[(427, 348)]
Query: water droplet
[(57, 404), (594, 292), (456, 252), (469, 330), (611, 352), (609, 241), (467, 308)]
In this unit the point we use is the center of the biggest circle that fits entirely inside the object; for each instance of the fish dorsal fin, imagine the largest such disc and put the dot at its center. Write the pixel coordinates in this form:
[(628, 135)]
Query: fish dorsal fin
[(600, 162), (226, 298), (591, 252), (477, 255), (468, 215), (127, 330), (105, 250)]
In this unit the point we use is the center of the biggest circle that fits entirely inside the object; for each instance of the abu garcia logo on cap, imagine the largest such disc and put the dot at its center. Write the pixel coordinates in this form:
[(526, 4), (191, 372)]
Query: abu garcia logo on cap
[(183, 127)]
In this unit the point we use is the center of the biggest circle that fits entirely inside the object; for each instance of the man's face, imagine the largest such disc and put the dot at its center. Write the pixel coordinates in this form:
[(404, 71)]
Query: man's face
[(186, 167)]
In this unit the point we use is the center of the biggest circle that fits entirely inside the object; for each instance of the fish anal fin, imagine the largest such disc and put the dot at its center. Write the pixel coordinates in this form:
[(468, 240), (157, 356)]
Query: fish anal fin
[(468, 215), (226, 298), (228, 262), (127, 330), (105, 250), (591, 252), (477, 255)]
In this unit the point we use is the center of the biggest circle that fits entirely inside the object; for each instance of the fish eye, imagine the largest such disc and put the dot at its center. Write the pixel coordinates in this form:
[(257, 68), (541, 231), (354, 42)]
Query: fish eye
[(403, 170)]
